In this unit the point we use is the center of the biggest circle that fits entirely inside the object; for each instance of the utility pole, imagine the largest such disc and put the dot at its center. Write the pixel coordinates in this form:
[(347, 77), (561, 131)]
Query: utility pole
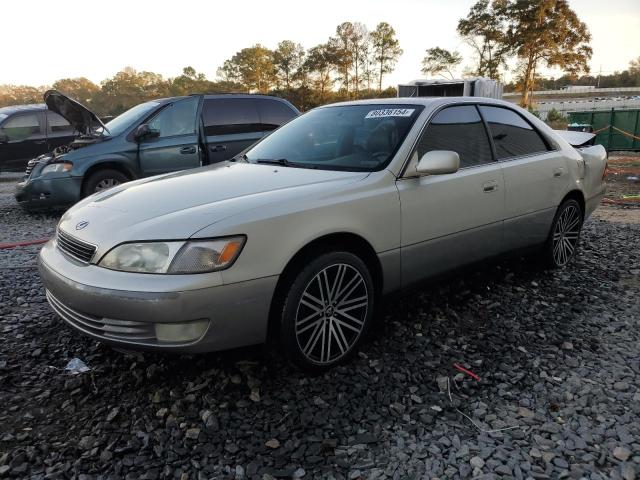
[(599, 73)]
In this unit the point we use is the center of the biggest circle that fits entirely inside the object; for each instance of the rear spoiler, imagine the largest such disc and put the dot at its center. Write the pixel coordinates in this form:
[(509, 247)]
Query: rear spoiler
[(577, 139)]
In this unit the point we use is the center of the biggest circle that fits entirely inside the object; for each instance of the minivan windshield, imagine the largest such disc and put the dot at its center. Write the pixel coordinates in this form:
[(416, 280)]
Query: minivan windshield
[(342, 137), (124, 120)]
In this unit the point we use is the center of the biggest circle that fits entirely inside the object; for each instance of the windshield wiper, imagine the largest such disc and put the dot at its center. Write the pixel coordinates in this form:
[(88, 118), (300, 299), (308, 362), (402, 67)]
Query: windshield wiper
[(284, 162)]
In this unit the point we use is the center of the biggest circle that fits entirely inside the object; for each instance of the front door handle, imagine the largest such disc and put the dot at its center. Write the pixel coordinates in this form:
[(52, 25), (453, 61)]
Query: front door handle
[(218, 148), (187, 150), (557, 172), (40, 142), (490, 186)]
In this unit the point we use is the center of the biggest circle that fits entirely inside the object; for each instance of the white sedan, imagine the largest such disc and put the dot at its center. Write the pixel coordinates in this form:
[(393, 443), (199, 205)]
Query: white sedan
[(302, 234)]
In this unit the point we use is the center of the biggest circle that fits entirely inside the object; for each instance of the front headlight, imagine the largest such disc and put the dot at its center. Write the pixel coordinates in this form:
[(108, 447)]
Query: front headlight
[(197, 256), (57, 167)]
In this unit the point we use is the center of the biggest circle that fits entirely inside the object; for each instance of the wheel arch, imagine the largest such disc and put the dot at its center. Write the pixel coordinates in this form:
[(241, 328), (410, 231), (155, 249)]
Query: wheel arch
[(107, 165), (578, 196), (345, 241)]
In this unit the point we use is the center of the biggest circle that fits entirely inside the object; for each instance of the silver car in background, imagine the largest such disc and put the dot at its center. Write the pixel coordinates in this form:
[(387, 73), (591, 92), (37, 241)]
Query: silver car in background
[(303, 233)]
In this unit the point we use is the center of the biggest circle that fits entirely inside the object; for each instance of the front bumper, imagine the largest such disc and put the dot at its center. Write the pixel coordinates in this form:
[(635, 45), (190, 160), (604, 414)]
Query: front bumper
[(42, 192), (237, 313)]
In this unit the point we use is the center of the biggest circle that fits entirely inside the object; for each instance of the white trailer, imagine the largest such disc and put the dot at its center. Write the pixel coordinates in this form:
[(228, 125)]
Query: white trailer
[(466, 87)]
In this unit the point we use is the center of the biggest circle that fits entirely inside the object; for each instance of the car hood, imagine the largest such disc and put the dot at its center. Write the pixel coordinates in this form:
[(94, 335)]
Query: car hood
[(177, 205), (79, 116)]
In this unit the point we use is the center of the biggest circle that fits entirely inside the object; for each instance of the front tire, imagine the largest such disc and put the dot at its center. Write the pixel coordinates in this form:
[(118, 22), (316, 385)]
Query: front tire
[(564, 236), (327, 311), (103, 180)]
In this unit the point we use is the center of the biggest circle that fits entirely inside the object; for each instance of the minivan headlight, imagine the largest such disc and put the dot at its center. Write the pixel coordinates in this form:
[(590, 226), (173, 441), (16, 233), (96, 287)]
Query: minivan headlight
[(57, 167), (197, 256)]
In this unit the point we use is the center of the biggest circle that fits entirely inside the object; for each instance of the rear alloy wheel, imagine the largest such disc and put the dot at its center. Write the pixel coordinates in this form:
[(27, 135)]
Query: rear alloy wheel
[(564, 236), (103, 180), (328, 311)]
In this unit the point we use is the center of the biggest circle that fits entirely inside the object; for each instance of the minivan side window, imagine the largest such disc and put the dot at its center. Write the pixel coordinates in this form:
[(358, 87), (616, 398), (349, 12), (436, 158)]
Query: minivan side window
[(57, 125), (512, 135), (223, 116), (21, 127), (179, 118), (273, 113), (461, 130)]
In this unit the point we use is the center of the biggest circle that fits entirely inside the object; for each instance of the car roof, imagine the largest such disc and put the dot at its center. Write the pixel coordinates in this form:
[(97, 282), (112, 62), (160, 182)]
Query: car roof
[(10, 110), (426, 101)]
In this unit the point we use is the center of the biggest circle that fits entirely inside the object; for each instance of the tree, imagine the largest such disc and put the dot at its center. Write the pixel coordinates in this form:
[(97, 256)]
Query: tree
[(439, 61), (386, 50), (322, 60), (546, 32), (128, 88), (251, 67), (634, 67), (288, 58), (484, 31), (20, 95), (81, 88)]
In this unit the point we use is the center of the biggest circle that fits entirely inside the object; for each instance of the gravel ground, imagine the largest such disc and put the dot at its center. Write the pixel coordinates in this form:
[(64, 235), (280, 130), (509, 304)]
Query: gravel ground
[(558, 395)]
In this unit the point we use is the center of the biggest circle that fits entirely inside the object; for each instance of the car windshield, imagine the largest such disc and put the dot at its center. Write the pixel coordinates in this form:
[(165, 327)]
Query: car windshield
[(124, 120), (347, 137)]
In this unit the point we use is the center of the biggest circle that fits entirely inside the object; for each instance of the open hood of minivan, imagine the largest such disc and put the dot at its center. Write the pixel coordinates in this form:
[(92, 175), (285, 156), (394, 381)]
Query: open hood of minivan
[(79, 116)]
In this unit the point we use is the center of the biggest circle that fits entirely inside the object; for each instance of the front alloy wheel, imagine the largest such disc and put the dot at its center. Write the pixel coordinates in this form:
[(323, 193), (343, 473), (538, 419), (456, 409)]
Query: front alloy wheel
[(327, 311)]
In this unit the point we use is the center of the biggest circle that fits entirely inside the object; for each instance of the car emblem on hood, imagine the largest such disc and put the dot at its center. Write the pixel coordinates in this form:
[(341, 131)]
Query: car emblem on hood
[(81, 225)]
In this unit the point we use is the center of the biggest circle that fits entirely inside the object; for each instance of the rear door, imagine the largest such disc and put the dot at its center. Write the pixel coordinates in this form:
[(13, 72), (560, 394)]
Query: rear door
[(26, 139), (535, 176), (59, 131), (452, 219), (230, 126), (177, 146)]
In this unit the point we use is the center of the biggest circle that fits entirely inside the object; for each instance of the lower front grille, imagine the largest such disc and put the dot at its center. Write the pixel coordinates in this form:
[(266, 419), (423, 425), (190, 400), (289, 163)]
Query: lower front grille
[(30, 165), (107, 328)]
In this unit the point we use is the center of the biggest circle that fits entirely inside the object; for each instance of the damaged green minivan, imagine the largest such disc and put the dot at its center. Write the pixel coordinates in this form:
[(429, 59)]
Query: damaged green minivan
[(155, 137)]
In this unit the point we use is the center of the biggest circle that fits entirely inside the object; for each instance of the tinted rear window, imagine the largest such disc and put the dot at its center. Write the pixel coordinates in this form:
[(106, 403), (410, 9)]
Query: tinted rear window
[(273, 113), (512, 135), (223, 116)]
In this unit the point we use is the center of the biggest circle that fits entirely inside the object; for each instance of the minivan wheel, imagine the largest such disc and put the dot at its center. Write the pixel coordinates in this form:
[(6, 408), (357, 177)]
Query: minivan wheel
[(103, 180), (327, 311), (563, 238)]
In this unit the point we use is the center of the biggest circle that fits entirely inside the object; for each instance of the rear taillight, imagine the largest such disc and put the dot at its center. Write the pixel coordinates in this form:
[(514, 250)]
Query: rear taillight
[(605, 172)]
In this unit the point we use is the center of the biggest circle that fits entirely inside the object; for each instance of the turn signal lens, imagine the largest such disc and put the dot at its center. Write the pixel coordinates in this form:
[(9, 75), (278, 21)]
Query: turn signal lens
[(201, 256)]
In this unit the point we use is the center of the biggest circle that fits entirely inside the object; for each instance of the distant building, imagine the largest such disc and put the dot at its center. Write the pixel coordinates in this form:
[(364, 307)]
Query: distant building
[(467, 87)]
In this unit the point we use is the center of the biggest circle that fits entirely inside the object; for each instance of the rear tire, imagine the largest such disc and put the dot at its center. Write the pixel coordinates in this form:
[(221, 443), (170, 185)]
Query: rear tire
[(103, 180), (562, 243), (327, 311)]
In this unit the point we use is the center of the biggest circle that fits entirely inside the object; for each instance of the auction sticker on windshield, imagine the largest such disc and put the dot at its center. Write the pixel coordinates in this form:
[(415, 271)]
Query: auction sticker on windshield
[(390, 112)]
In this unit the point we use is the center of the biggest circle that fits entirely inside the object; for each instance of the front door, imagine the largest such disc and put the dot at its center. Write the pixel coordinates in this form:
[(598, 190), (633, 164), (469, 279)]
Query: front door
[(452, 219), (176, 147), (26, 139)]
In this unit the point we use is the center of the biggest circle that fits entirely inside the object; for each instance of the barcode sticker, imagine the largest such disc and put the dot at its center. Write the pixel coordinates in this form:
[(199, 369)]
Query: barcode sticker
[(390, 112)]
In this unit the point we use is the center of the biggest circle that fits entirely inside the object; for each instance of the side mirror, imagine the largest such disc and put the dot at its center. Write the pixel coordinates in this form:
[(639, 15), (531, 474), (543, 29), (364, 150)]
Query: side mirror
[(4, 138), (144, 131), (438, 162)]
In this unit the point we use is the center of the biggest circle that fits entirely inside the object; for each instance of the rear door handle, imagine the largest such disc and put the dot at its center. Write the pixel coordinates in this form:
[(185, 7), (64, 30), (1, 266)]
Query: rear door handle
[(186, 150), (490, 186), (218, 148), (40, 142)]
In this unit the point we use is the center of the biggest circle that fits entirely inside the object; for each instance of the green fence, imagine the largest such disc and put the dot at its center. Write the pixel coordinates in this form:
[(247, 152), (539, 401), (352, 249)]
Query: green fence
[(616, 129)]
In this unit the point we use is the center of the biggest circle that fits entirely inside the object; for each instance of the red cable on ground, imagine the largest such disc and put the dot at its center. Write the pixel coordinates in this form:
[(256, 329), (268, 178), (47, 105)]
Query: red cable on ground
[(459, 367), (24, 243)]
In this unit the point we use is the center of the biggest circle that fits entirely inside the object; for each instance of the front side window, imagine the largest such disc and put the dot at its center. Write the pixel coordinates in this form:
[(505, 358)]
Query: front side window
[(512, 135), (56, 124), (21, 127), (349, 137), (224, 116), (179, 118), (461, 130), (125, 120)]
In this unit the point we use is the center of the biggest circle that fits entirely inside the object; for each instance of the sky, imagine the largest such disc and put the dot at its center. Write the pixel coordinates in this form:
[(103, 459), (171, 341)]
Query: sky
[(47, 40)]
